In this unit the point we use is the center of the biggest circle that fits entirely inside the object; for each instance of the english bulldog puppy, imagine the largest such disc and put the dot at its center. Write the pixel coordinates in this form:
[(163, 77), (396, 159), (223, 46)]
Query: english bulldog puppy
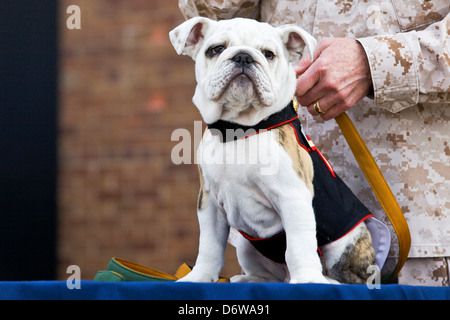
[(291, 217)]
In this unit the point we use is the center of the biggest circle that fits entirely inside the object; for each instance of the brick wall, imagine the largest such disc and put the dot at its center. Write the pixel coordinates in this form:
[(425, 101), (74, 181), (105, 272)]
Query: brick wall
[(123, 91)]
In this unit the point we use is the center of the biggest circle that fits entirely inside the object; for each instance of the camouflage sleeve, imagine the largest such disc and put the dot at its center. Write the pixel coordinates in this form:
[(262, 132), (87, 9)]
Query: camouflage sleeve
[(410, 68), (220, 9)]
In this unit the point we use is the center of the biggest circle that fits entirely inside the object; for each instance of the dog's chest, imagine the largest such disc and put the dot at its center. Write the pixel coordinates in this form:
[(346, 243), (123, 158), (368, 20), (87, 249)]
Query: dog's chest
[(236, 175)]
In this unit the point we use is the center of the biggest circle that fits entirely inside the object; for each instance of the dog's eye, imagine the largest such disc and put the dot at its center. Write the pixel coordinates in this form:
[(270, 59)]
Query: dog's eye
[(211, 52), (268, 54)]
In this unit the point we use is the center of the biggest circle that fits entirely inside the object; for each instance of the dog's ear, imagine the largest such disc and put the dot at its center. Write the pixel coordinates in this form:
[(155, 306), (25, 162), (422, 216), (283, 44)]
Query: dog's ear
[(188, 36), (295, 40)]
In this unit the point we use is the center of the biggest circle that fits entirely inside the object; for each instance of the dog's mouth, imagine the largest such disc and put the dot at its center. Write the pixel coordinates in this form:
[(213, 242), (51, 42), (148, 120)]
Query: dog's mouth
[(243, 74), (241, 85), (243, 77)]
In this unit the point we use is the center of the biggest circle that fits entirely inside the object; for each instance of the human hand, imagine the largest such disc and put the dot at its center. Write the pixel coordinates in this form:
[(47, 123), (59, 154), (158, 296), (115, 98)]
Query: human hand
[(338, 77)]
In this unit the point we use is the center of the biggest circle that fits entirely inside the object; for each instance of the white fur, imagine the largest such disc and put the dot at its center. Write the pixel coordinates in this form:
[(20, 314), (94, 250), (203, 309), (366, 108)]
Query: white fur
[(250, 184), (259, 205), (276, 78)]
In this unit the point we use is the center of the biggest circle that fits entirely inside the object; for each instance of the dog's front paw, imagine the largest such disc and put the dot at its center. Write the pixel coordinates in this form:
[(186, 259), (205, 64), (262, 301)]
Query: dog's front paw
[(308, 276), (197, 277)]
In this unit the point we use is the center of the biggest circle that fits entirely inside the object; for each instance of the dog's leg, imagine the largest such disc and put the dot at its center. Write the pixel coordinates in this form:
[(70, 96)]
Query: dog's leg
[(347, 260), (302, 259), (214, 232), (297, 215), (213, 240)]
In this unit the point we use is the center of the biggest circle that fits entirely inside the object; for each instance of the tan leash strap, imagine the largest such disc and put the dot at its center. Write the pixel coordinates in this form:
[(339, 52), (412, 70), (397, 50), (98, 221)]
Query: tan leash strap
[(379, 187)]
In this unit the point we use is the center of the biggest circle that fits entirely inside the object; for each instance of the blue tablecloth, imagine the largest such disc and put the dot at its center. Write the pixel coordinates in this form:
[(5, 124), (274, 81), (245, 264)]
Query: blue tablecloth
[(213, 291)]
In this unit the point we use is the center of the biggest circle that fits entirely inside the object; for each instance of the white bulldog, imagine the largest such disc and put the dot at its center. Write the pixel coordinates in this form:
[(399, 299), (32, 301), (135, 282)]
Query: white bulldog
[(245, 79)]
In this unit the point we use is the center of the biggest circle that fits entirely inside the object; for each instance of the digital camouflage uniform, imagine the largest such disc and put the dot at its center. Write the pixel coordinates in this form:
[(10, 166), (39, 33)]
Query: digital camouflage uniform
[(406, 122)]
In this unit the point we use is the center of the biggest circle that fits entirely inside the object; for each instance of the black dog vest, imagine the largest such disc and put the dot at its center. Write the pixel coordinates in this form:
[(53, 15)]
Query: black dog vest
[(336, 208)]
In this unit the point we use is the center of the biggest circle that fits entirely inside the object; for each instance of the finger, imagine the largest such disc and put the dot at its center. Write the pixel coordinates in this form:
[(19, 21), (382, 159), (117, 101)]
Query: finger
[(317, 92), (321, 46), (304, 64), (309, 77), (329, 96), (335, 111), (311, 110), (325, 102), (343, 105), (307, 80), (331, 113), (319, 112), (328, 103)]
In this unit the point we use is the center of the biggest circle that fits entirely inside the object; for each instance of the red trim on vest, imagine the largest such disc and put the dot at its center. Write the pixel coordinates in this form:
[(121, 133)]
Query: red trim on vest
[(359, 222), (260, 239), (264, 130), (314, 148), (298, 141), (283, 233)]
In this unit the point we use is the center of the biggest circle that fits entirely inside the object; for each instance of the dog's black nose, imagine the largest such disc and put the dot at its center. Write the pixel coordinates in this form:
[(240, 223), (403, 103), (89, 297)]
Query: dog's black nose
[(244, 59)]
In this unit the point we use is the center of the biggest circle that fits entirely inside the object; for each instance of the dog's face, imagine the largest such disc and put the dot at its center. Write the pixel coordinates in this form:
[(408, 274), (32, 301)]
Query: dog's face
[(243, 67)]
